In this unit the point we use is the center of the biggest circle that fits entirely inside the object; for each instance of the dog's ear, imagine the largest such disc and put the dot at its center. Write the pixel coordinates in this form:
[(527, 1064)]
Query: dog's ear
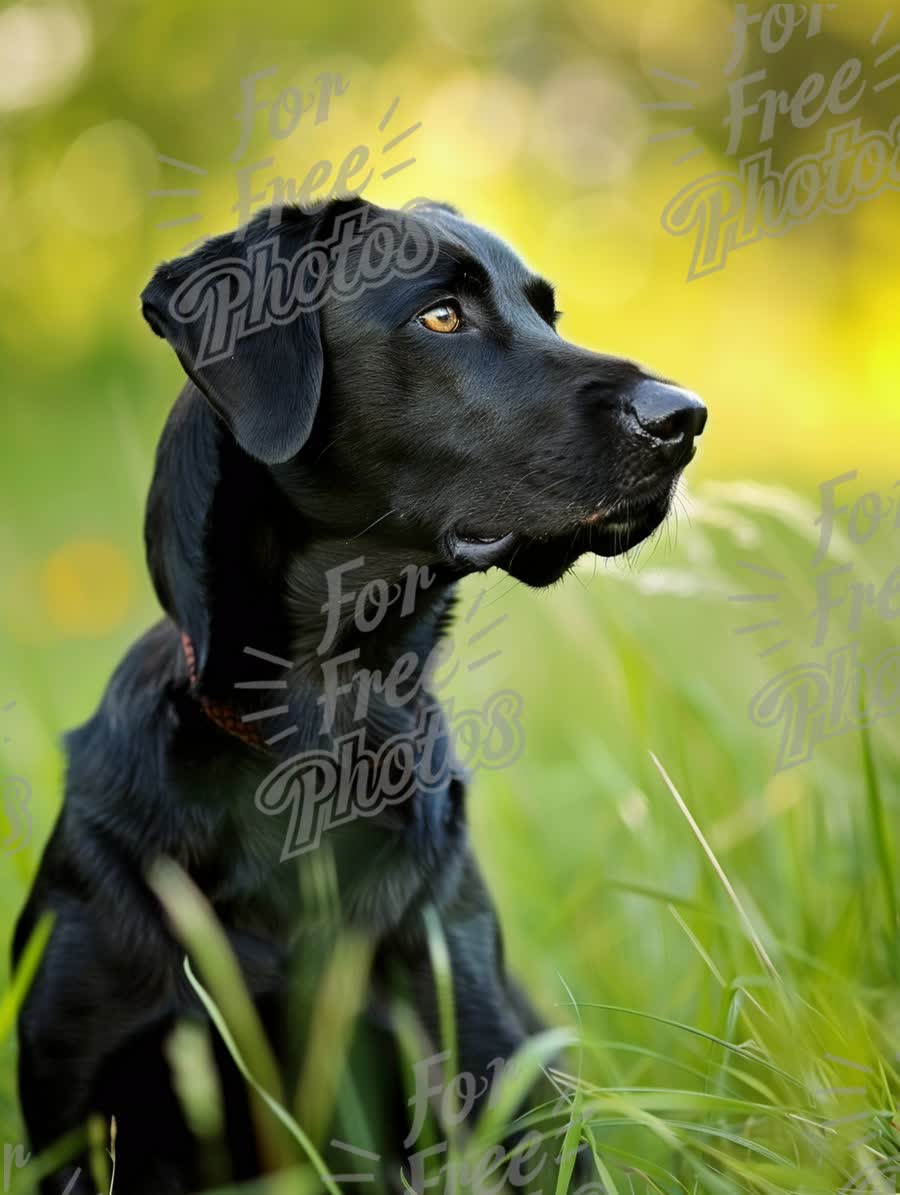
[(261, 369)]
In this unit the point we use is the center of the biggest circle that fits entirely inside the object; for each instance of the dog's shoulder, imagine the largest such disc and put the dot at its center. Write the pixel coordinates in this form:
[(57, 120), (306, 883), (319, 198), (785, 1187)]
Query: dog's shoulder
[(119, 770), (117, 784)]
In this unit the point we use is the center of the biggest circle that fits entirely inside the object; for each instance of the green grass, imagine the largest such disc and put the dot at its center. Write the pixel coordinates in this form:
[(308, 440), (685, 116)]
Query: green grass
[(727, 935)]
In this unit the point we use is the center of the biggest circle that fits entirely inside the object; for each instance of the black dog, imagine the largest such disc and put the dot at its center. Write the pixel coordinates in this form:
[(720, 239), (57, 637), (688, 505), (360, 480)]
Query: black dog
[(431, 419)]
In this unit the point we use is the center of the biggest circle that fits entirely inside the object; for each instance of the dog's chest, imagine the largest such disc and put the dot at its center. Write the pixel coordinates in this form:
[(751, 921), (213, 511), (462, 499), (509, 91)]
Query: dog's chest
[(372, 866)]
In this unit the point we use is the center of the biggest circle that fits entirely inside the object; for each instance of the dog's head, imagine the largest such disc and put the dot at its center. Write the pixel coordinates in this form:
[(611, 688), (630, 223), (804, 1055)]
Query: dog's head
[(402, 371)]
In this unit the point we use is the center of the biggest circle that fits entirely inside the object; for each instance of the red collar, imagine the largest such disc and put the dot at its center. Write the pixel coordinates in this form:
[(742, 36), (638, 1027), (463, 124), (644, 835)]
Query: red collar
[(219, 714)]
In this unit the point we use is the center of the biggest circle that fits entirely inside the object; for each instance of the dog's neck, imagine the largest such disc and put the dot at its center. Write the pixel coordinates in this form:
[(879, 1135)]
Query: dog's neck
[(342, 632), (365, 627)]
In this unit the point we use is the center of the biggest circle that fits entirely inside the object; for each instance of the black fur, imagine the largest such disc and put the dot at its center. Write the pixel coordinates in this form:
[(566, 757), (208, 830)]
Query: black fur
[(350, 431)]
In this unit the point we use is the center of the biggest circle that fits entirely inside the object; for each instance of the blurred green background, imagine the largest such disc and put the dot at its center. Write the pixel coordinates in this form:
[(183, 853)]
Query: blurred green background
[(541, 120)]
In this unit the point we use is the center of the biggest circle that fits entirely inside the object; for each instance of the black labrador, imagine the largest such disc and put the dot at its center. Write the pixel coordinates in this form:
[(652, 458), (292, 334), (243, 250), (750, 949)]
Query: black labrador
[(381, 398)]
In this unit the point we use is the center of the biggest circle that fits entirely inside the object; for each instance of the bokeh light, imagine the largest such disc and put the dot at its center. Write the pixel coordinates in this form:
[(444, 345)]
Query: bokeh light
[(85, 587), (43, 47)]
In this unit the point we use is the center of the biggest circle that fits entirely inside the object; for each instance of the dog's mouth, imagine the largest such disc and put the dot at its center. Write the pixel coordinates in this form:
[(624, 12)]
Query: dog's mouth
[(466, 545), (537, 556)]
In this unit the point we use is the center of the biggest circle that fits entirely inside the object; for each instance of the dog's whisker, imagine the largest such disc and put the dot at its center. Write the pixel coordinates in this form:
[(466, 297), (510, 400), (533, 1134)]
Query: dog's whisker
[(330, 444), (516, 485), (380, 519)]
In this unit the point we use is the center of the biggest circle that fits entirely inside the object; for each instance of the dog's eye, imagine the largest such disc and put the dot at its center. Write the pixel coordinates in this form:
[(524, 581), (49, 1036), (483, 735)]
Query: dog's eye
[(445, 317)]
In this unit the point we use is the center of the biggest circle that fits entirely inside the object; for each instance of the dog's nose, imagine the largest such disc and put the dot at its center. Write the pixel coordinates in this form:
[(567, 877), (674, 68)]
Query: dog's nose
[(669, 414)]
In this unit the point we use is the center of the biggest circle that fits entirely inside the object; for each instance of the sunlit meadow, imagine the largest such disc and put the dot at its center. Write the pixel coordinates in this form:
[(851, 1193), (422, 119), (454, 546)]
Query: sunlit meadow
[(695, 854)]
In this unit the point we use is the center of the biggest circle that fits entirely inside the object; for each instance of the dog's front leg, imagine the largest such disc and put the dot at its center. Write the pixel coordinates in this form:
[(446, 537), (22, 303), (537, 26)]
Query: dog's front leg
[(91, 1041), (493, 1019)]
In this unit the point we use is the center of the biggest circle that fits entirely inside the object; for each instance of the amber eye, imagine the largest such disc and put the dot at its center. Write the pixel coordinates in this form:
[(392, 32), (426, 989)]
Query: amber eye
[(443, 318)]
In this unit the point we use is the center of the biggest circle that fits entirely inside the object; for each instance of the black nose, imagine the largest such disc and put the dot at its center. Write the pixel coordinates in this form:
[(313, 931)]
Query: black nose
[(672, 416)]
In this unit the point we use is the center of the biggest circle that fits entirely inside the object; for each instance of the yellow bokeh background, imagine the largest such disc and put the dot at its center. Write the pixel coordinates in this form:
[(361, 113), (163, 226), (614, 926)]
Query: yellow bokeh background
[(119, 148)]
